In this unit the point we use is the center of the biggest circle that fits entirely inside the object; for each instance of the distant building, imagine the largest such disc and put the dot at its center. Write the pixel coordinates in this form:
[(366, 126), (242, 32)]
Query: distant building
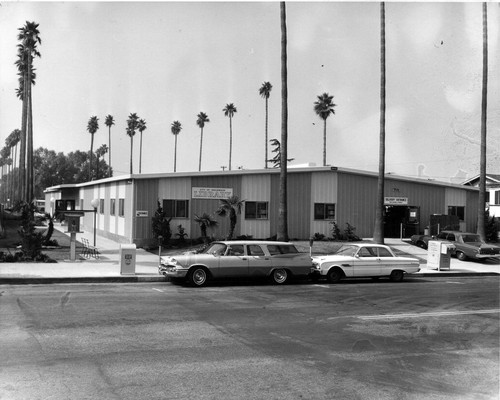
[(492, 192), (317, 196)]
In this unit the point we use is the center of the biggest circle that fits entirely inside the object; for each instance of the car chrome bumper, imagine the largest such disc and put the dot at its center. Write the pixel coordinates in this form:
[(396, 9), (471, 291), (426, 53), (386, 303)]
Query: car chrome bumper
[(487, 256), (172, 271)]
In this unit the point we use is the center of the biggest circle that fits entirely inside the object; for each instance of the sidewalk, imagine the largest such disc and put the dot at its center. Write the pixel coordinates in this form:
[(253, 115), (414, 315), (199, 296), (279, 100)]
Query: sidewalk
[(107, 267)]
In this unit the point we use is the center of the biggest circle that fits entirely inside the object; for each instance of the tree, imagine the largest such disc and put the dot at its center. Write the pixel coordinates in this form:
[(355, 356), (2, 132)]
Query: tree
[(161, 225), (378, 233), (229, 111), (132, 122), (265, 92), (206, 222), (481, 227), (201, 121), (29, 37), (92, 127), (276, 160), (176, 129), (141, 126), (100, 153), (230, 207), (283, 204), (323, 108), (109, 122)]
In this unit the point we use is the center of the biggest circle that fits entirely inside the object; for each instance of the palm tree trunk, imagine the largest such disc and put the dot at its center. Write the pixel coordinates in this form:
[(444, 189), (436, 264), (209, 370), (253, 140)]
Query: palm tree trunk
[(201, 148), (91, 154), (230, 140), (266, 138), (175, 154), (30, 179), (140, 154), (109, 151), (324, 142), (22, 151), (378, 233), (283, 204), (131, 152), (481, 229)]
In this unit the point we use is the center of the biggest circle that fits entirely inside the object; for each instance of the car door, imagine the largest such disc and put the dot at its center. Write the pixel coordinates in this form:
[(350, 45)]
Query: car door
[(387, 261), (259, 263), (234, 263), (367, 262)]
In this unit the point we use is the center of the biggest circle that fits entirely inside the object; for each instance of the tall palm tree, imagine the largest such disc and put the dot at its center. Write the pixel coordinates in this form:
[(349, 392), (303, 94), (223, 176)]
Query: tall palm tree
[(206, 222), (481, 227), (323, 108), (201, 121), (141, 126), (132, 123), (92, 127), (230, 207), (265, 92), (229, 111), (29, 38), (100, 153), (109, 122), (378, 233), (176, 129), (283, 203)]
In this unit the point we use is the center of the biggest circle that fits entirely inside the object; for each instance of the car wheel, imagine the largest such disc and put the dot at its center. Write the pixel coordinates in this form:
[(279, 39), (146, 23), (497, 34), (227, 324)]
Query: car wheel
[(397, 276), (422, 245), (198, 277), (334, 275), (279, 276), (461, 256)]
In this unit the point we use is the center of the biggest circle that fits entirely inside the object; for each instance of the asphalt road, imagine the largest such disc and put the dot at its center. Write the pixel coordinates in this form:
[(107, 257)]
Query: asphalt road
[(420, 339)]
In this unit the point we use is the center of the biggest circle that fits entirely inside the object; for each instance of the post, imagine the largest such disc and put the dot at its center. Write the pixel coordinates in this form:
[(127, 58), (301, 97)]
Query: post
[(72, 246), (160, 238), (311, 241), (95, 217), (95, 203)]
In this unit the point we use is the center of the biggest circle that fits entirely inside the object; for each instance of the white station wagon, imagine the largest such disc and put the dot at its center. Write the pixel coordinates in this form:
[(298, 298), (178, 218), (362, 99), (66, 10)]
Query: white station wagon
[(362, 261), (278, 261)]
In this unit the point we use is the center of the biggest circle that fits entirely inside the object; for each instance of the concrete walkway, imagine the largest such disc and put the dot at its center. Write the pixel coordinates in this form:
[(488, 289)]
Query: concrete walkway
[(107, 267)]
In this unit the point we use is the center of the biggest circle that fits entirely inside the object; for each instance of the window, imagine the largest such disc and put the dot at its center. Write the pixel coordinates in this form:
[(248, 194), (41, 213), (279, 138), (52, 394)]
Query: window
[(255, 250), (459, 211), (121, 207), (282, 249), (176, 208), (497, 197), (256, 210), (383, 252), (324, 211), (101, 206), (112, 207), (236, 250)]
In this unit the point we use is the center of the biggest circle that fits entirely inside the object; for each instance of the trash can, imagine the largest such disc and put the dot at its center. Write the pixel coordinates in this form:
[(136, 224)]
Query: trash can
[(127, 259), (439, 255)]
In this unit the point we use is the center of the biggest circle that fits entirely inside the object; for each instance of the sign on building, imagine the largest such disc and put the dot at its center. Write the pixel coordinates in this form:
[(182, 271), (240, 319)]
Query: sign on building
[(139, 213), (396, 201), (211, 193)]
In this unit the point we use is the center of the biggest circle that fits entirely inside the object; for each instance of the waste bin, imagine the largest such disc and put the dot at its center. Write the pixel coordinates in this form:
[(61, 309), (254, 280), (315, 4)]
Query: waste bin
[(439, 255), (127, 259)]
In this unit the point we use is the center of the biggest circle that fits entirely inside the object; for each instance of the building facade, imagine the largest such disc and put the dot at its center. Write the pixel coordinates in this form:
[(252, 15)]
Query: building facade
[(317, 196)]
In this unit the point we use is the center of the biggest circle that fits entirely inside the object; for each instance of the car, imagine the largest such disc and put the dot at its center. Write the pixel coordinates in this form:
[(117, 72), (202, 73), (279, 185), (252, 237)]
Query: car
[(468, 245), (363, 260), (238, 259)]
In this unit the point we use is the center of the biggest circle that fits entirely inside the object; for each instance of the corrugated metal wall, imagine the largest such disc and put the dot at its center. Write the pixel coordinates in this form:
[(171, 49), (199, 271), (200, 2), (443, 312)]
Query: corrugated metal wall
[(299, 205), (256, 188), (323, 190), (146, 199)]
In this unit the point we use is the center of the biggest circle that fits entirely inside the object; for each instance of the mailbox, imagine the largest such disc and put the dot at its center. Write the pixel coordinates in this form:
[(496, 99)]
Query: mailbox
[(127, 259), (73, 220), (439, 255)]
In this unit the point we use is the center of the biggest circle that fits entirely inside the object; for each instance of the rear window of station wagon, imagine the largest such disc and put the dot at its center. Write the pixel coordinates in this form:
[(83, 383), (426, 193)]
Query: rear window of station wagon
[(282, 249)]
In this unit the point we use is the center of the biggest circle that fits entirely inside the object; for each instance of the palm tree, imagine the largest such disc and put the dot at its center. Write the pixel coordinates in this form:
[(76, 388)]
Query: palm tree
[(230, 207), (378, 233), (323, 108), (206, 222), (201, 121), (132, 123), (176, 129), (29, 36), (92, 127), (109, 122), (283, 205), (229, 111), (481, 227), (99, 153), (265, 92), (141, 126)]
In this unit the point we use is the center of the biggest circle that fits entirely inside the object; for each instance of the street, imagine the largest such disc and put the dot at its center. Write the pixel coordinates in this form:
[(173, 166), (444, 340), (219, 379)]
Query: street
[(423, 338)]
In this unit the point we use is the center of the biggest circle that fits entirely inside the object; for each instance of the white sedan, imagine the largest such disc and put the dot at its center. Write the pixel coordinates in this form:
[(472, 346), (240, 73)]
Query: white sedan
[(363, 260)]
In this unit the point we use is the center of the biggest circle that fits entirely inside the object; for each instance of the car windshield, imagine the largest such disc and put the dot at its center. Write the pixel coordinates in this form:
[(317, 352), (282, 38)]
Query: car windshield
[(217, 249), (471, 238), (347, 250)]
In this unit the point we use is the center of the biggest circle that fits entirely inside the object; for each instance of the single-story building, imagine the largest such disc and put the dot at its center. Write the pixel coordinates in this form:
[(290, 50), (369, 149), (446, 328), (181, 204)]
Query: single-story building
[(317, 196), (492, 192)]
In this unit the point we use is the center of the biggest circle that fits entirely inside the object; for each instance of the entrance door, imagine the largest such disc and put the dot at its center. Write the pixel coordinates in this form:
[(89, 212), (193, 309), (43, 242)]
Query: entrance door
[(401, 220)]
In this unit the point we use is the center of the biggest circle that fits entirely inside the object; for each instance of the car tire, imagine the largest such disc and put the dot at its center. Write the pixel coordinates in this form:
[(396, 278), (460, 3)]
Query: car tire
[(334, 275), (198, 277), (461, 256), (397, 275), (422, 245), (279, 276)]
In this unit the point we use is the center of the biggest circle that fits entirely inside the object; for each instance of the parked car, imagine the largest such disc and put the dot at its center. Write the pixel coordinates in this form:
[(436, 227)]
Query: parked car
[(362, 260), (466, 245), (277, 261)]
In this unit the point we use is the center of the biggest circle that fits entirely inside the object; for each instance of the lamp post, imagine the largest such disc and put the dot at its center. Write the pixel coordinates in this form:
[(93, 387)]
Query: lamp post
[(95, 203)]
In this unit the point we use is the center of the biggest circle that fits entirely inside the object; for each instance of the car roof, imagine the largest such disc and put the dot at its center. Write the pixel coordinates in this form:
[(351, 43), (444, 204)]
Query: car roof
[(260, 242), (366, 245), (459, 232)]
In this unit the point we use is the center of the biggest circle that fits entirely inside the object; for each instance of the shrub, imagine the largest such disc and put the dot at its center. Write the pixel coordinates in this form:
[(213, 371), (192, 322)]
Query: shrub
[(161, 225)]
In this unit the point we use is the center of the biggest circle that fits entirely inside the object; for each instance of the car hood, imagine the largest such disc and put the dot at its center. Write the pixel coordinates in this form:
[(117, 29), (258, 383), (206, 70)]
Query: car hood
[(187, 258), (332, 257)]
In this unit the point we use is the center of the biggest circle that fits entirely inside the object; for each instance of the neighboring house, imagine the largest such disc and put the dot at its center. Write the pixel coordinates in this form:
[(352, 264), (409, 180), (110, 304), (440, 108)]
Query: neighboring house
[(492, 192)]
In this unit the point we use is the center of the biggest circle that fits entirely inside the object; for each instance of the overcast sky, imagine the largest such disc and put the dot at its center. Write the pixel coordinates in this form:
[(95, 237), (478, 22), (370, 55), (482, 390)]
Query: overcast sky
[(168, 61)]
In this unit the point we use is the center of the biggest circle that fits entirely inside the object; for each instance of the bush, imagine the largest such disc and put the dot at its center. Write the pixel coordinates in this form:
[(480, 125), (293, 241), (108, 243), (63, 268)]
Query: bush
[(318, 236), (161, 225)]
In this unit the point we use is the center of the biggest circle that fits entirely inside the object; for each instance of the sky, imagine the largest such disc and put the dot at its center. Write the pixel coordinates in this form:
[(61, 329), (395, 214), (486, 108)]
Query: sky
[(167, 61)]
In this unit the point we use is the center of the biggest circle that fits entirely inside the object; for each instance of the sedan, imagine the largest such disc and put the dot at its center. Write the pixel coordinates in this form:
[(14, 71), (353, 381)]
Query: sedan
[(277, 261), (363, 260)]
